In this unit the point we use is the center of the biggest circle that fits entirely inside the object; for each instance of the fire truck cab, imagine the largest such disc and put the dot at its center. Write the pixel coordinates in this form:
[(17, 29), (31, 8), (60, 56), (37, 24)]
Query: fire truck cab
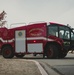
[(50, 39), (66, 34)]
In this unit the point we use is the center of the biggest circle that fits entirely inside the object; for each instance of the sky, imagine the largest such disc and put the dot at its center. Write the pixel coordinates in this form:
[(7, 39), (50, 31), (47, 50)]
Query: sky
[(28, 11)]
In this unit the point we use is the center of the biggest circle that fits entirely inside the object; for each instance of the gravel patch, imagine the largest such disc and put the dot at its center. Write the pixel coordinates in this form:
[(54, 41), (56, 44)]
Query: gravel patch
[(18, 67)]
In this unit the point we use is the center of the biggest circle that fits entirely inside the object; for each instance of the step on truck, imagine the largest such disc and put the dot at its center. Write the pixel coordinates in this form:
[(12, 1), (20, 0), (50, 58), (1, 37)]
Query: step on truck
[(52, 40)]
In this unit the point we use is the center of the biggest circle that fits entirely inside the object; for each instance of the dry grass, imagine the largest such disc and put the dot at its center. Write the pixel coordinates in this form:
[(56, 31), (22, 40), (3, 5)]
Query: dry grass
[(18, 67)]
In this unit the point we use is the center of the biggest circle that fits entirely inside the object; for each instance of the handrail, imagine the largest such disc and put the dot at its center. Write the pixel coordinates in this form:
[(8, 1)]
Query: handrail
[(37, 22), (16, 24)]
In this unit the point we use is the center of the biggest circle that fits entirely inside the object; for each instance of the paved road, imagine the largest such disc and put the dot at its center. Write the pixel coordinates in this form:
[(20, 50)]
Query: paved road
[(52, 66), (58, 66)]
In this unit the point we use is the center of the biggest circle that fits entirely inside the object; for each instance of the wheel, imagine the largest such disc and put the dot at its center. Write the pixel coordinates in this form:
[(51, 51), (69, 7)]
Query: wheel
[(52, 51), (19, 55), (7, 52)]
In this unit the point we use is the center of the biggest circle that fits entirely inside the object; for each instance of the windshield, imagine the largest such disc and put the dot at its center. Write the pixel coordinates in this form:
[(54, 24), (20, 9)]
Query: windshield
[(72, 35), (64, 32)]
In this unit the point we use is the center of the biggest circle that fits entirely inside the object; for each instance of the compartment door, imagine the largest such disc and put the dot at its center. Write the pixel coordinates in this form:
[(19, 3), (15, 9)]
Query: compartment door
[(20, 41)]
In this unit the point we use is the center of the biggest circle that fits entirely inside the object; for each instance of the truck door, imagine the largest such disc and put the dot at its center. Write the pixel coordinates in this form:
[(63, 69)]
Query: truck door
[(20, 41), (64, 33)]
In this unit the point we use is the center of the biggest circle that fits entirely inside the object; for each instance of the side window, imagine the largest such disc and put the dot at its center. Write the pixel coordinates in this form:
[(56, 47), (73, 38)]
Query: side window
[(67, 35), (53, 30), (61, 33), (64, 32)]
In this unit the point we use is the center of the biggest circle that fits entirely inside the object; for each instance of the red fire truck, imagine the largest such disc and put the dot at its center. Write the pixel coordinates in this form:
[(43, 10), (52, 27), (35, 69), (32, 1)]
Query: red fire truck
[(50, 39)]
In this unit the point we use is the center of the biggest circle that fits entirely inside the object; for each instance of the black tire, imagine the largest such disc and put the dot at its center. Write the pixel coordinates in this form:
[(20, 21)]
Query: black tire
[(52, 51), (20, 55), (8, 52)]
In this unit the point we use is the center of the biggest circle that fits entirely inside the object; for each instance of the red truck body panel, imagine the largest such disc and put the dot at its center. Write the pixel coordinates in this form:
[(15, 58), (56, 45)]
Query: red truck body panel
[(35, 35)]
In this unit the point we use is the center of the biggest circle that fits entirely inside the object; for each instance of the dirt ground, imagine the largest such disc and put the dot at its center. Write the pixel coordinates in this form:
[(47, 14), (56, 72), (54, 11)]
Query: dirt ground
[(18, 67)]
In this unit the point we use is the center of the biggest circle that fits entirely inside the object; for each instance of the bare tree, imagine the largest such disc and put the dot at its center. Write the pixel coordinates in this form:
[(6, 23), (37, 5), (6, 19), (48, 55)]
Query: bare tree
[(2, 21)]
